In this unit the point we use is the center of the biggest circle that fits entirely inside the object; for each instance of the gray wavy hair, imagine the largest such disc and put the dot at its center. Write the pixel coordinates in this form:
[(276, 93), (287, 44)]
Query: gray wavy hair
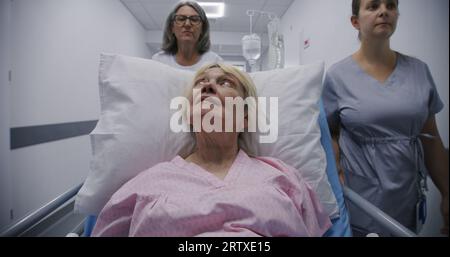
[(170, 41)]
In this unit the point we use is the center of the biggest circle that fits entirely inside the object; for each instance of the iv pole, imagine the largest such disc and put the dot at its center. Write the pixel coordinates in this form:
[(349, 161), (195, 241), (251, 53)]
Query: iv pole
[(251, 44)]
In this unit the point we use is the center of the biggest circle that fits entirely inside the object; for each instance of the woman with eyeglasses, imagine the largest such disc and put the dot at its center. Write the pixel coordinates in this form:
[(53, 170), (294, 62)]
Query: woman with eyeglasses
[(186, 40)]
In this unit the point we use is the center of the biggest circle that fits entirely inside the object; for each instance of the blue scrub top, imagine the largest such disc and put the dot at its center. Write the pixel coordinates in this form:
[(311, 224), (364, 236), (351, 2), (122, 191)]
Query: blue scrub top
[(380, 130)]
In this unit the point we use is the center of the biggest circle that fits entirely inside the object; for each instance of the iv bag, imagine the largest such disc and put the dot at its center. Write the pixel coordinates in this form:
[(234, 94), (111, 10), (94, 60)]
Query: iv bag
[(251, 47)]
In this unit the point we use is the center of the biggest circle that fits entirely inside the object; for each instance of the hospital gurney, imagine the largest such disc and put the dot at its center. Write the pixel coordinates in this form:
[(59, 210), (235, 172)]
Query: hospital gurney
[(341, 225)]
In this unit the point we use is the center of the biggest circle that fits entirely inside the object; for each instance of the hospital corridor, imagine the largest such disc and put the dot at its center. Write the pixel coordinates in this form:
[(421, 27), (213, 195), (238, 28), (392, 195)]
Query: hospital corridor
[(350, 118)]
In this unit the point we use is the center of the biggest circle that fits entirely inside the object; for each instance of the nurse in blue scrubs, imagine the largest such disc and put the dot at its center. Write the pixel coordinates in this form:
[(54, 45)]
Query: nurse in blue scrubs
[(381, 108)]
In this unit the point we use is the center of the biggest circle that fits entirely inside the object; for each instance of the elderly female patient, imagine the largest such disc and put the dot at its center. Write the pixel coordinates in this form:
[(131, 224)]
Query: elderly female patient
[(218, 190)]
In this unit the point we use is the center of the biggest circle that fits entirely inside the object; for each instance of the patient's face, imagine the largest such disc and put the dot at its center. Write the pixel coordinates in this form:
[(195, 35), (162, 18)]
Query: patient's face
[(211, 89), (215, 82)]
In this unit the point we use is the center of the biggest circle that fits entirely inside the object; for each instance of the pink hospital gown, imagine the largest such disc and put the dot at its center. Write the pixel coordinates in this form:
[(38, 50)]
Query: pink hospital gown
[(258, 197)]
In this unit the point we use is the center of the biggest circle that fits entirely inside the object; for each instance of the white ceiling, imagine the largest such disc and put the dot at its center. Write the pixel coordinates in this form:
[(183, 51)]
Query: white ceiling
[(153, 13)]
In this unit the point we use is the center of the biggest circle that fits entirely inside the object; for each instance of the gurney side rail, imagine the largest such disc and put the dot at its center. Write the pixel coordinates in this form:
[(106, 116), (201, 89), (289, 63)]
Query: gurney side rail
[(382, 218)]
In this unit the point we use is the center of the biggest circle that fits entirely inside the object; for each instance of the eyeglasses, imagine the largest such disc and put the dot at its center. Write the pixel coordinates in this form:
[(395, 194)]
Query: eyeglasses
[(180, 20)]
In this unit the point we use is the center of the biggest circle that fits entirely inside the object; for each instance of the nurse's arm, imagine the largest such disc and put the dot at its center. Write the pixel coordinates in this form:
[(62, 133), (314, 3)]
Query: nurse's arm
[(334, 131), (436, 160)]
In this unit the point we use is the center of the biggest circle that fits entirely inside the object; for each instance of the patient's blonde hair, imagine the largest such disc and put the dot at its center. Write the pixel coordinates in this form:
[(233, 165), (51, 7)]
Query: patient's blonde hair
[(243, 78)]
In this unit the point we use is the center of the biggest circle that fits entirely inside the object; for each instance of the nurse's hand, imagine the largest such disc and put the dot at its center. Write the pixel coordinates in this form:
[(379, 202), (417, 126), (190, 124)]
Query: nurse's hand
[(444, 210)]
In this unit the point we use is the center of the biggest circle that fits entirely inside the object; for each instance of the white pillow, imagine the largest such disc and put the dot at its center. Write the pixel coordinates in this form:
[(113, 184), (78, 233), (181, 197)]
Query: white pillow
[(133, 132), (299, 90)]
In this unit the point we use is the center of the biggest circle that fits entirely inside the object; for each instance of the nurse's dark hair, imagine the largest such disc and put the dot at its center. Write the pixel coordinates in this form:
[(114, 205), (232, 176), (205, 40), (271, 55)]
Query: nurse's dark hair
[(356, 5), (169, 44)]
